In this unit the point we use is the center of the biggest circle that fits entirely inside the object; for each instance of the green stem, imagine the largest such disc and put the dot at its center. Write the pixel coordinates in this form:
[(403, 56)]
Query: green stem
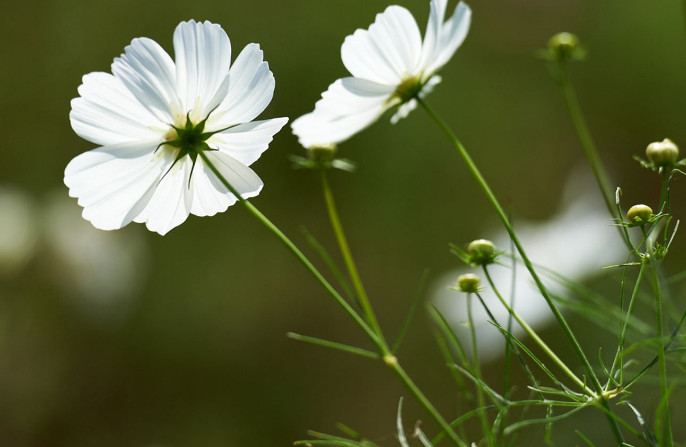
[(388, 358), (476, 370), (619, 356), (664, 203), (599, 172), (347, 257), (392, 362), (298, 254), (525, 259), (667, 428), (365, 303), (535, 337), (652, 363), (544, 292)]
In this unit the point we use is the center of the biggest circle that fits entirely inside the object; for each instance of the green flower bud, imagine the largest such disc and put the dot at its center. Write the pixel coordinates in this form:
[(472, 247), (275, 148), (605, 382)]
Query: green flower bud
[(321, 154), (663, 152), (481, 252), (468, 283), (639, 214), (565, 46)]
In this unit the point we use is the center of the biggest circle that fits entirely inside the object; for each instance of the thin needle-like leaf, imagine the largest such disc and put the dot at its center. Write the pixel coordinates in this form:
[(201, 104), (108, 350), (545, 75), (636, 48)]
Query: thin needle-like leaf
[(334, 345), (413, 307)]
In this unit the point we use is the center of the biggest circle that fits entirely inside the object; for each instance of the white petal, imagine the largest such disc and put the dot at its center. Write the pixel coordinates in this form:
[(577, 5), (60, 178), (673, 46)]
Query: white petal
[(388, 51), (240, 177), (404, 110), (246, 142), (107, 112), (148, 73), (170, 203), (114, 183), (251, 87), (210, 196), (443, 38), (203, 58), (348, 106)]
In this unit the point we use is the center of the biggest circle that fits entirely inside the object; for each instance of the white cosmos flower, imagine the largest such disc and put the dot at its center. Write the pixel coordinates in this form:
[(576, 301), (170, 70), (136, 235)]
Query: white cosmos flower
[(390, 66), (153, 116)]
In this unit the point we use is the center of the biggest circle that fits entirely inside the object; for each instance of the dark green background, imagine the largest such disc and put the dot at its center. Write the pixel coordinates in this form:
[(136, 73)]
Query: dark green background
[(201, 358)]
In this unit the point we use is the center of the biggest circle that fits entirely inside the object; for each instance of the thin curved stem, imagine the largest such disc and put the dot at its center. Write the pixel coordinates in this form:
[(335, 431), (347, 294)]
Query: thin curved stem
[(599, 172), (365, 303), (520, 249), (662, 363), (510, 230), (347, 256), (619, 356), (476, 371), (298, 254), (388, 357), (535, 337)]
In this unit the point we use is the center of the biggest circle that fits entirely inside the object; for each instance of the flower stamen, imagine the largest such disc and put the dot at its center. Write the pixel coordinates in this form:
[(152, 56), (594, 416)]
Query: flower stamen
[(408, 89)]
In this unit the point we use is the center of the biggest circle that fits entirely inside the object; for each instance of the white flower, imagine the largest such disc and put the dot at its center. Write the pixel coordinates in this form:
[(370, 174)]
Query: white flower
[(390, 66), (153, 116)]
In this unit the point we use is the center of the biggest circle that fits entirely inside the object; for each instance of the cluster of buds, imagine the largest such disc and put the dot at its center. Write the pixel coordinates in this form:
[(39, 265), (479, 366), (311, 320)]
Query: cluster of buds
[(480, 252)]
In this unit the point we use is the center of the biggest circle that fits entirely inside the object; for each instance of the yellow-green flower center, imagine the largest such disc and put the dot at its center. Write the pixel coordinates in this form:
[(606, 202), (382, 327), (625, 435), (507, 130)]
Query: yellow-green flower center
[(408, 89)]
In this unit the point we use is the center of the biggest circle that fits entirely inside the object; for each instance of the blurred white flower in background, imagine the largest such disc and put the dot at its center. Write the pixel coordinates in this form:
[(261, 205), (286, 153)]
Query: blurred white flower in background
[(576, 242), (19, 230), (390, 66), (99, 272)]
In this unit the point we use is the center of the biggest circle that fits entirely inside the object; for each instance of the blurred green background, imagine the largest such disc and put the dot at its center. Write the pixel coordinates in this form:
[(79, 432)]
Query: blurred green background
[(180, 340)]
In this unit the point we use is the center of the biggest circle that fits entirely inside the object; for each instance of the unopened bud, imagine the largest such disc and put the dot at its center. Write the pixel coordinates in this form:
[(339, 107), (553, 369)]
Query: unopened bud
[(564, 46), (321, 153), (639, 214), (468, 283), (481, 252), (663, 152)]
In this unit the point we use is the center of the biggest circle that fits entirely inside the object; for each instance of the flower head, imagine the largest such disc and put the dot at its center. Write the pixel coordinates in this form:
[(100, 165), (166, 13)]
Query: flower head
[(639, 214), (157, 120), (390, 66), (468, 283), (662, 153)]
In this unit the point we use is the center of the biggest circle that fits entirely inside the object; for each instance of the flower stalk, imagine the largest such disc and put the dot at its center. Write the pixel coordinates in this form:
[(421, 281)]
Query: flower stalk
[(662, 363), (389, 359), (527, 263), (362, 296), (587, 143)]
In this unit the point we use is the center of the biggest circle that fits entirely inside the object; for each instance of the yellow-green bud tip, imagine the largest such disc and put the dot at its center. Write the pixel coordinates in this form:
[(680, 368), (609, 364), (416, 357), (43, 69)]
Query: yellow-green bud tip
[(481, 252), (663, 152), (323, 153), (639, 213), (468, 283), (563, 43)]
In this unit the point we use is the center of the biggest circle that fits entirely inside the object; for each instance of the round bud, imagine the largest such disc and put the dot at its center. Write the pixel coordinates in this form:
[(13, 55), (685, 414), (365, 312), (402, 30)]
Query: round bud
[(323, 153), (481, 252), (663, 152), (639, 214), (468, 283), (563, 45)]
